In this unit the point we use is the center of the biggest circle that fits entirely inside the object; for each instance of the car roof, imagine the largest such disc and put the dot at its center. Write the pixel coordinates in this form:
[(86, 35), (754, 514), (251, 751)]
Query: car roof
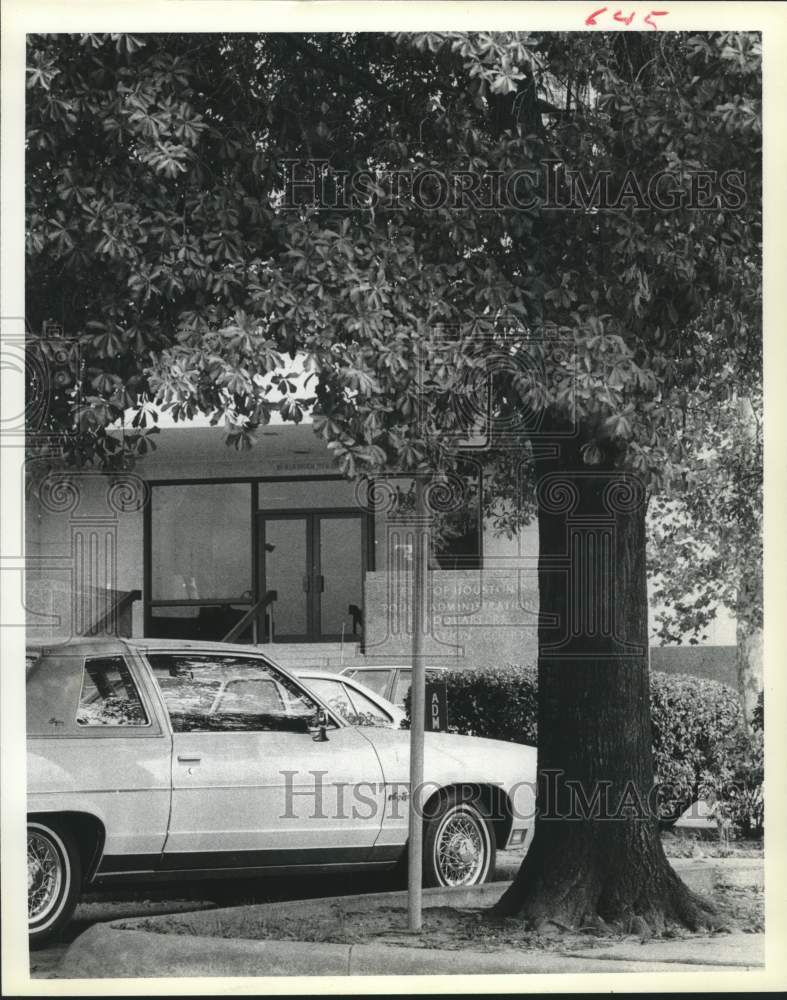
[(105, 643), (139, 642), (389, 666), (81, 646), (316, 672)]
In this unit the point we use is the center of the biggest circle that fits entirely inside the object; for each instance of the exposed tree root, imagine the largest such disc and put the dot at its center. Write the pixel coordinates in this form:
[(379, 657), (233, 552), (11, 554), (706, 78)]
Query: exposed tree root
[(647, 902)]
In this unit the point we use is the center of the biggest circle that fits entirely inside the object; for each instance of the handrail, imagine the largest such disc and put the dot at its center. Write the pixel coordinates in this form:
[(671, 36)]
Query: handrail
[(113, 613), (250, 616)]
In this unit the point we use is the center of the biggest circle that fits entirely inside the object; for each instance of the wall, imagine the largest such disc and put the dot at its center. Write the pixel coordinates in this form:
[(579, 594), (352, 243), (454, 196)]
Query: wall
[(84, 539)]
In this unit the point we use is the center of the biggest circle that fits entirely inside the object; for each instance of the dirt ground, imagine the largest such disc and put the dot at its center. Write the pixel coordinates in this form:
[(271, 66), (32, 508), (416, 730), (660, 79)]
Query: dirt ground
[(445, 927)]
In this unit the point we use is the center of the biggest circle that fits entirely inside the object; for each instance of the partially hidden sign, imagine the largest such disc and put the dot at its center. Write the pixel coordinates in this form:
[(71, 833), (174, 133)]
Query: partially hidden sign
[(436, 707)]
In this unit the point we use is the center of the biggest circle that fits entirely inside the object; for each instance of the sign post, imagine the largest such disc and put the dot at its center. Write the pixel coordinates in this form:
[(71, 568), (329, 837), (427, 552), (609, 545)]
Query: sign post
[(420, 562)]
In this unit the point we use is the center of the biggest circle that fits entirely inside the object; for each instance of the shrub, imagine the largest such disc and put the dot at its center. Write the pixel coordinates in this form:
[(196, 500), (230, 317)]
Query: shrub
[(701, 747), (498, 703), (695, 721), (735, 783)]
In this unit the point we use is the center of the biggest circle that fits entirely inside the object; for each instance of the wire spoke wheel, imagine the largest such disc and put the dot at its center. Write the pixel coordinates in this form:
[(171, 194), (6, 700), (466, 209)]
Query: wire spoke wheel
[(53, 877), (44, 875), (461, 847)]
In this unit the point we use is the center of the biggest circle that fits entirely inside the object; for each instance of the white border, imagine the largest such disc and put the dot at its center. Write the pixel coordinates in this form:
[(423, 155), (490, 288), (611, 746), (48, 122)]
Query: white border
[(22, 16)]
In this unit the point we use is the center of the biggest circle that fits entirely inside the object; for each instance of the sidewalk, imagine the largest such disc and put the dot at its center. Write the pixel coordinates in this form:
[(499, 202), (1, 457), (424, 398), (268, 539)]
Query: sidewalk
[(137, 952)]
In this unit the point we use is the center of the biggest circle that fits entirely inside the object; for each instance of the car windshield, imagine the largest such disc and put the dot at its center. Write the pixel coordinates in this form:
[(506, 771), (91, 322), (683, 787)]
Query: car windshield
[(349, 702)]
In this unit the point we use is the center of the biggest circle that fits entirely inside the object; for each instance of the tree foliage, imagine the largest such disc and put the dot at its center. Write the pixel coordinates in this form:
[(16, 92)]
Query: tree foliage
[(159, 242), (706, 541)]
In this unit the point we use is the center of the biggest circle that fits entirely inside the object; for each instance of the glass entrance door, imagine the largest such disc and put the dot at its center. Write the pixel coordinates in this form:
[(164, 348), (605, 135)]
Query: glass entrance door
[(314, 562), (284, 558)]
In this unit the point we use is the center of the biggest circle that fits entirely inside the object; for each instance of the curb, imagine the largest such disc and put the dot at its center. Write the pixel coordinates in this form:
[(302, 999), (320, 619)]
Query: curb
[(145, 953), (139, 954)]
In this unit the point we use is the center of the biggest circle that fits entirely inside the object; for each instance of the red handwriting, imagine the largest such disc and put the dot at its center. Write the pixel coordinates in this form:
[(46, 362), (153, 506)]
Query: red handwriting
[(655, 13), (621, 18)]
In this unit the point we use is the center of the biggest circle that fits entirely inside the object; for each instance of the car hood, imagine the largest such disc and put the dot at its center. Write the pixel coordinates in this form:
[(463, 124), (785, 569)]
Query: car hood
[(449, 758)]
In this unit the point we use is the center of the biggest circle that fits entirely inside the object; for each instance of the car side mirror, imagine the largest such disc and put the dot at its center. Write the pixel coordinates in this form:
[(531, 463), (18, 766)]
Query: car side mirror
[(320, 736)]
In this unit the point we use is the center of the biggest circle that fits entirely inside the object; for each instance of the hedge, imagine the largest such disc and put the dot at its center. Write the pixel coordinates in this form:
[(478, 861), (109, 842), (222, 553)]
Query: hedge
[(701, 747)]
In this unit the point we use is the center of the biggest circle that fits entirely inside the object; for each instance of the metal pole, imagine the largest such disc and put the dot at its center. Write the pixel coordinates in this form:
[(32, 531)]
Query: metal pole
[(415, 841)]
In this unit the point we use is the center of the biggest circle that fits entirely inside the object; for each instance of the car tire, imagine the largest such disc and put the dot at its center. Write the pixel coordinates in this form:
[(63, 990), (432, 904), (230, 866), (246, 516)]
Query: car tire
[(459, 844), (54, 877)]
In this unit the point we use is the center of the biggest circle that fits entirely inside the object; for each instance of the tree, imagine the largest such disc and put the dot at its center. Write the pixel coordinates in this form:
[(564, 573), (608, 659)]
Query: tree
[(706, 543), (489, 209)]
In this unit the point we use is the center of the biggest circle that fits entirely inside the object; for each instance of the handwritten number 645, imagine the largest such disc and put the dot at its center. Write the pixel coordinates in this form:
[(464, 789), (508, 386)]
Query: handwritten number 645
[(619, 16)]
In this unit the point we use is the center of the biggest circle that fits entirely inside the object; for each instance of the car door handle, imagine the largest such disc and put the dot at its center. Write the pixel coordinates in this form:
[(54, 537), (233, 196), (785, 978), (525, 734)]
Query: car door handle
[(188, 760)]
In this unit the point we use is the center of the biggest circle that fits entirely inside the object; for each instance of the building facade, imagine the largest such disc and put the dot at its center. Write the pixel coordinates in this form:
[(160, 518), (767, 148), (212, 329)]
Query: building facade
[(272, 546)]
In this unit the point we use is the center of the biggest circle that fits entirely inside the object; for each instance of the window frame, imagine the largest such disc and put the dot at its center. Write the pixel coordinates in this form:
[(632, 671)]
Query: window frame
[(334, 720), (148, 603), (109, 726)]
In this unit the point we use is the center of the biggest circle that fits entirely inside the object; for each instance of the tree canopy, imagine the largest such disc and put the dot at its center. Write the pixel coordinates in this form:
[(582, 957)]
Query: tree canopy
[(175, 238)]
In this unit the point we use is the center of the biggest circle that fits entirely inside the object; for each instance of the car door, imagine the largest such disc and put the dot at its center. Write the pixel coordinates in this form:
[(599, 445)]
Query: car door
[(251, 787)]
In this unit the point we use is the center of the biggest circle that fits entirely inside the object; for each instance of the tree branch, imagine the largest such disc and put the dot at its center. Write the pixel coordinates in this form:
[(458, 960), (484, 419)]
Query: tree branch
[(339, 67)]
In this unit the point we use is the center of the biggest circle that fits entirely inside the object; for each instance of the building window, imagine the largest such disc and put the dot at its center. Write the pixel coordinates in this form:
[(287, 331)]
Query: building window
[(200, 559)]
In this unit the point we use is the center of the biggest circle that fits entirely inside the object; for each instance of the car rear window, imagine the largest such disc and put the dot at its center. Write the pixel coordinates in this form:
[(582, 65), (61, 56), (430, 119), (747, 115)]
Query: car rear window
[(405, 678), (401, 688), (109, 696), (377, 680)]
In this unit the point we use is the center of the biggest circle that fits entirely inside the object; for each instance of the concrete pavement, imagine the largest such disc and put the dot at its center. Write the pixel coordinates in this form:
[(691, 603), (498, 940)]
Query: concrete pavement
[(138, 952)]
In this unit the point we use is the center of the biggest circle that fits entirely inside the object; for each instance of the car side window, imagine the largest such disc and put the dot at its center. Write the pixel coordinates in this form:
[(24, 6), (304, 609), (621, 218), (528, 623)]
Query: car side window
[(401, 687), (377, 680), (109, 696), (217, 693)]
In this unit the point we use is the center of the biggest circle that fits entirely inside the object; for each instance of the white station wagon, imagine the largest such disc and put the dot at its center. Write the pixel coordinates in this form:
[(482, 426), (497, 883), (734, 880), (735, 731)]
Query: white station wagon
[(163, 759)]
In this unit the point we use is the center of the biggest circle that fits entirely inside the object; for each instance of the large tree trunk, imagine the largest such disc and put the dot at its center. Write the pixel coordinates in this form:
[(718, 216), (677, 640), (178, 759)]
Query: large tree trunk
[(597, 851)]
